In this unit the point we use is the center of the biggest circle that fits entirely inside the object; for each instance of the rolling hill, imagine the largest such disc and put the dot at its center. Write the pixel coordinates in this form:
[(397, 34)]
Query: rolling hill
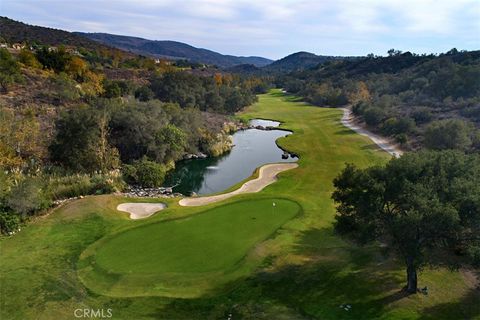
[(15, 31), (299, 61), (172, 50)]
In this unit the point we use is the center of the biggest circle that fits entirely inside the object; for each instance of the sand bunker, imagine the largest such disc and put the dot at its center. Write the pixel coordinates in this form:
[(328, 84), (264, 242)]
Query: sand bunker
[(141, 210), (266, 176), (383, 143)]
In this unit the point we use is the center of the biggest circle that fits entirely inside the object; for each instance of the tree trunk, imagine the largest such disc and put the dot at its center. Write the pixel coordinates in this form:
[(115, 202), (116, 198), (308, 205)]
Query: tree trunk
[(411, 276)]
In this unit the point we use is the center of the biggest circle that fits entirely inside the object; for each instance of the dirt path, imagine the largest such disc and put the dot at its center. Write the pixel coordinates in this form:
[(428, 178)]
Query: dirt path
[(266, 176), (140, 210), (348, 120)]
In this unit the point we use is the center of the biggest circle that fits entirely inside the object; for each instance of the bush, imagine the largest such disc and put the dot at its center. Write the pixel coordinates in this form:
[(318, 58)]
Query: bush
[(373, 116), (144, 173), (449, 134), (9, 222), (144, 93), (422, 115), (112, 89), (64, 187), (69, 186), (28, 197), (359, 108)]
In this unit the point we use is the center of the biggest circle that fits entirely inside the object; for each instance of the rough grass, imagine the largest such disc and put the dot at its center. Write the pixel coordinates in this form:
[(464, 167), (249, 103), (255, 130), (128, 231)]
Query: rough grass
[(306, 271)]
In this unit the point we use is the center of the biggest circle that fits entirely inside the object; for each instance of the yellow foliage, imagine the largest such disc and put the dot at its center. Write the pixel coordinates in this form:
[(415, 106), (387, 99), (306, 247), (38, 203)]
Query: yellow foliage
[(76, 67), (361, 94), (21, 138), (218, 78), (92, 84)]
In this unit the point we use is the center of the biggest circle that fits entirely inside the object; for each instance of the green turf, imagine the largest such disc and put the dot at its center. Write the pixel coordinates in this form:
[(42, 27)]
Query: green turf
[(216, 239), (303, 271)]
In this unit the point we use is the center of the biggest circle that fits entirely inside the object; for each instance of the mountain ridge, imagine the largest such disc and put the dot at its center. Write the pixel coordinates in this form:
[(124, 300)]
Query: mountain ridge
[(173, 50)]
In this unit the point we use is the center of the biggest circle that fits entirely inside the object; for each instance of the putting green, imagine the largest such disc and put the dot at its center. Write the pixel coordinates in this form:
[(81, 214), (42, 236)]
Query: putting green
[(210, 244)]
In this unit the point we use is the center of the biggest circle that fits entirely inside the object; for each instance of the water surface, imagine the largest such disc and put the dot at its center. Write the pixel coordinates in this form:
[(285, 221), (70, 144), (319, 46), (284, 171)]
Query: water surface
[(252, 149)]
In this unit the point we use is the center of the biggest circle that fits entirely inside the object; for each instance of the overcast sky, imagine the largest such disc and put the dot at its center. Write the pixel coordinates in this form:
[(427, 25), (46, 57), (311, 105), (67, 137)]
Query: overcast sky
[(270, 28)]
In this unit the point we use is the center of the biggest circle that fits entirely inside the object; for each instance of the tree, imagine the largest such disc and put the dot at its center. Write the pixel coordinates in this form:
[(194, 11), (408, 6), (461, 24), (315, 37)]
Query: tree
[(418, 205), (144, 173), (80, 143), (373, 116), (449, 134), (144, 93), (9, 70), (57, 60), (28, 58), (76, 67), (175, 141)]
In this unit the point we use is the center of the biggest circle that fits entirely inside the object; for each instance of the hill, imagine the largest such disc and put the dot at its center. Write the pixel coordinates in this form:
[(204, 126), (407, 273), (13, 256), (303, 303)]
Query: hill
[(298, 61), (416, 99), (244, 69), (15, 31), (172, 50)]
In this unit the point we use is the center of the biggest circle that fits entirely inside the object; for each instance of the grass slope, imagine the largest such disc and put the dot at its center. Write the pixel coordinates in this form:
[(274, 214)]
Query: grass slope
[(306, 271)]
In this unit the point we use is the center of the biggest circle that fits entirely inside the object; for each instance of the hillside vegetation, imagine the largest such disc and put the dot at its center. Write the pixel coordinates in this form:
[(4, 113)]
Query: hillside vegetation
[(77, 118), (428, 101)]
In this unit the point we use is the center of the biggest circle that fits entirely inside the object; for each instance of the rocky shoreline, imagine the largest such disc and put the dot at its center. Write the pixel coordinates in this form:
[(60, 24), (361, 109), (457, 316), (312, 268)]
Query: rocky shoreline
[(160, 192)]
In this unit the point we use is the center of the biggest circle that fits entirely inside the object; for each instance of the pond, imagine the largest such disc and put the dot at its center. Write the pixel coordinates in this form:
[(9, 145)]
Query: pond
[(252, 149)]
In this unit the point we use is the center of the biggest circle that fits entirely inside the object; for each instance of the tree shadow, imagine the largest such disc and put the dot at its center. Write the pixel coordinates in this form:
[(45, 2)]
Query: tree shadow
[(345, 132), (372, 146), (336, 281), (467, 308)]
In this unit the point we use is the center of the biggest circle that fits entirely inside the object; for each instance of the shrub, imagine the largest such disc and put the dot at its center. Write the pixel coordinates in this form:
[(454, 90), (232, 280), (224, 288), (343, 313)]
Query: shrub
[(28, 197), (144, 173), (373, 116), (9, 222), (422, 115), (64, 187), (144, 93), (449, 134)]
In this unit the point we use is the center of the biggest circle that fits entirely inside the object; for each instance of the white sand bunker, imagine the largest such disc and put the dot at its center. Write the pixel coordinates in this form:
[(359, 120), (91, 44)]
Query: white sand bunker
[(266, 176), (141, 210)]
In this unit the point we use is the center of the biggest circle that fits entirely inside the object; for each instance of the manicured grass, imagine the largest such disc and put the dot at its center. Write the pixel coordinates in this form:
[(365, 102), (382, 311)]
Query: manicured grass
[(204, 246), (214, 240), (303, 271)]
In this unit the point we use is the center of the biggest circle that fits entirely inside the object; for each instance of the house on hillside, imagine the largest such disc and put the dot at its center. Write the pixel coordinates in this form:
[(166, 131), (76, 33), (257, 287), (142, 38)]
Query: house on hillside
[(3, 45), (18, 46), (72, 51)]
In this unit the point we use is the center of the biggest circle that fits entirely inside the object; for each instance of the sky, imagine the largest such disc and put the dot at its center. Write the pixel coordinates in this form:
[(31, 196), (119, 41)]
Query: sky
[(270, 28)]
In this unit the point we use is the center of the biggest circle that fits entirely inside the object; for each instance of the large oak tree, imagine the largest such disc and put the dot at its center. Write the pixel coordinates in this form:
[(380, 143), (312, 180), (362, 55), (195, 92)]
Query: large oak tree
[(420, 205)]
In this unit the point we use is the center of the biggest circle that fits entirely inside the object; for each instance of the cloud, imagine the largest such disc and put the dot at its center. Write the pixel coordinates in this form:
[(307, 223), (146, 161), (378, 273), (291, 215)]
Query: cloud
[(270, 27)]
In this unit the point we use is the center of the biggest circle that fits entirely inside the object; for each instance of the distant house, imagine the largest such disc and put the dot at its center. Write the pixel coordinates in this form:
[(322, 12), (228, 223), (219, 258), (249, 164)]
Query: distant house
[(157, 61), (3, 45), (18, 46), (52, 49), (73, 51)]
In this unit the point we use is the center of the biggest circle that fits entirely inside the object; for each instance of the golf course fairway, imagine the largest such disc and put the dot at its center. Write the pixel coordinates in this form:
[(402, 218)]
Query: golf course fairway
[(209, 262), (213, 242)]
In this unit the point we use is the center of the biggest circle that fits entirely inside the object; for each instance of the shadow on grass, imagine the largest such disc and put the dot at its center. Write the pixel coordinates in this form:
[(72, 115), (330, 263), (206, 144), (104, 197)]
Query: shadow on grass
[(468, 307), (345, 132), (335, 276), (372, 146)]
